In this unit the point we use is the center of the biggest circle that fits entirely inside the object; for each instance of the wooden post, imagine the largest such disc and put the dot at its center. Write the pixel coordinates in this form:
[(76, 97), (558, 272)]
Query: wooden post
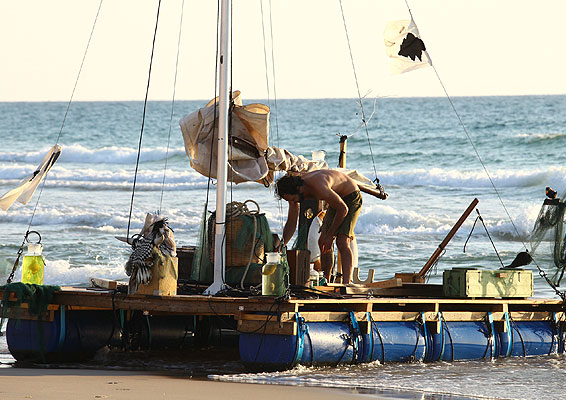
[(342, 156)]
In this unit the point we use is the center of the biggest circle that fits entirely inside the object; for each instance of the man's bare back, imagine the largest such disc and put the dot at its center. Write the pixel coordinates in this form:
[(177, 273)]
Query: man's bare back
[(317, 183)]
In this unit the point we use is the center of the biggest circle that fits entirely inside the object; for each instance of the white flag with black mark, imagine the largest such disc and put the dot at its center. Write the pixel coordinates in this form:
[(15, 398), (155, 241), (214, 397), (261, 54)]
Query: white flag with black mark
[(405, 47)]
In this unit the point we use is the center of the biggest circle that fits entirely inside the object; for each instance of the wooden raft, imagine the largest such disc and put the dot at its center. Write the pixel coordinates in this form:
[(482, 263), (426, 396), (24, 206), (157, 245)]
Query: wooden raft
[(273, 316)]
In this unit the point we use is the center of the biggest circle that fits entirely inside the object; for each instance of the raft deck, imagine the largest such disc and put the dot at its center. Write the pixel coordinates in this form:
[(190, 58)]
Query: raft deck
[(278, 316)]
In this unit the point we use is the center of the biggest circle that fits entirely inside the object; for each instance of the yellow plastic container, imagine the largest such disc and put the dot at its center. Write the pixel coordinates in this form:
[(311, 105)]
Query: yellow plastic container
[(33, 265), (273, 276)]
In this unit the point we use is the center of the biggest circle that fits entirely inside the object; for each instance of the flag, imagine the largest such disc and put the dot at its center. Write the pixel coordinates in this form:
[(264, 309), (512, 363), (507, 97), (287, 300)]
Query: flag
[(29, 184), (405, 47)]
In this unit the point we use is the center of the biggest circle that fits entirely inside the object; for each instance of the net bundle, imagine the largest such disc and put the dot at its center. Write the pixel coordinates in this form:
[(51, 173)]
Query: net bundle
[(549, 227)]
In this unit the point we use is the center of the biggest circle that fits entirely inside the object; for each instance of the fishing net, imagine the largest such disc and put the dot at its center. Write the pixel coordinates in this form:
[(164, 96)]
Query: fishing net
[(549, 227), (38, 297)]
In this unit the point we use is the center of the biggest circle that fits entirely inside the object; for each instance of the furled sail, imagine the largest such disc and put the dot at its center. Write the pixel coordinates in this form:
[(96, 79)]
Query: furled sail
[(249, 159), (247, 143), (29, 184)]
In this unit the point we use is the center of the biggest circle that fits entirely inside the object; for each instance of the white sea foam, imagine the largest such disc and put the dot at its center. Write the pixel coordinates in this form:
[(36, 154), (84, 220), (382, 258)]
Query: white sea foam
[(60, 272), (187, 179), (76, 153), (537, 137), (475, 179)]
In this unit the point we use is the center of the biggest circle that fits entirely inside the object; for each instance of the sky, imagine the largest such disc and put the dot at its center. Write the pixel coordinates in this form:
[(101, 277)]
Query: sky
[(480, 47)]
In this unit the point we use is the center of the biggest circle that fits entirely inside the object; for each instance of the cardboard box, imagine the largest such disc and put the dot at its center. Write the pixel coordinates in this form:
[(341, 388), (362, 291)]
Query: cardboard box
[(474, 282), (163, 279)]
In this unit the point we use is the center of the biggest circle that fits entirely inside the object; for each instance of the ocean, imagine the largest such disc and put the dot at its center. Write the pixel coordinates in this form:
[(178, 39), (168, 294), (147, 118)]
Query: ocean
[(416, 147)]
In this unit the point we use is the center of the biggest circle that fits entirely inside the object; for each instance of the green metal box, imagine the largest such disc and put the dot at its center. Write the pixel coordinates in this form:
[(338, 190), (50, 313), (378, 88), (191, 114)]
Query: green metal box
[(474, 282)]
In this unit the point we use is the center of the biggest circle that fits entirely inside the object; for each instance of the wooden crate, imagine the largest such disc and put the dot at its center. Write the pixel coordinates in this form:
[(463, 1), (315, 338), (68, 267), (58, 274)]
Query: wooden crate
[(163, 280), (474, 282)]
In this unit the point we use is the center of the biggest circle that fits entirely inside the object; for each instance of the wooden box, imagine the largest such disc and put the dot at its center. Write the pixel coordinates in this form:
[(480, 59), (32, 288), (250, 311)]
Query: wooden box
[(163, 279), (299, 267), (474, 282), (185, 255)]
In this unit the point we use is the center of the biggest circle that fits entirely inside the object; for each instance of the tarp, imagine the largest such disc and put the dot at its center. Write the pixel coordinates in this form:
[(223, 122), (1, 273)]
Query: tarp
[(25, 190)]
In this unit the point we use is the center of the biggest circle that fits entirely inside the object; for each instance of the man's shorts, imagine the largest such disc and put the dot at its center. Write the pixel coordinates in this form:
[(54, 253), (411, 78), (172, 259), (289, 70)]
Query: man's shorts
[(354, 203)]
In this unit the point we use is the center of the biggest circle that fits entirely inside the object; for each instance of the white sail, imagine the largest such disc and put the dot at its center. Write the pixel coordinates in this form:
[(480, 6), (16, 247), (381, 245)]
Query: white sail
[(25, 190)]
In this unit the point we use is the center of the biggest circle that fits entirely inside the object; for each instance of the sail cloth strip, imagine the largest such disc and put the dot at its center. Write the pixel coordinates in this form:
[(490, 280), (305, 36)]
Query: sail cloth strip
[(27, 187)]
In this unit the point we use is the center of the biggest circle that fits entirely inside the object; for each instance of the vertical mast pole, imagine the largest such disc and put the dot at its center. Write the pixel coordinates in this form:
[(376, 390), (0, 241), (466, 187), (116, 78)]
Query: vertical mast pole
[(222, 146)]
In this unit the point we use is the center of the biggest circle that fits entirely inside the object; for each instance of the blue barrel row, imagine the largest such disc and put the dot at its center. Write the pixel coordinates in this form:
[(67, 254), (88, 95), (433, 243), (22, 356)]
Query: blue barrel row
[(333, 343), (77, 334)]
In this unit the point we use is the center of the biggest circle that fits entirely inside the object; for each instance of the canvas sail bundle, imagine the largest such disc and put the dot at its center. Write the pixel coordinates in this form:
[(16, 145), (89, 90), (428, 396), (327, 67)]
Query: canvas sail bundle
[(248, 141), (249, 158), (25, 190)]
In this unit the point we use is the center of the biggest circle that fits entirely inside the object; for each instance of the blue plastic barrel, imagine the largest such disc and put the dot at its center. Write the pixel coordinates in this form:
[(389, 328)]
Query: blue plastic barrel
[(316, 343), (464, 341), (530, 338), (71, 336), (395, 342)]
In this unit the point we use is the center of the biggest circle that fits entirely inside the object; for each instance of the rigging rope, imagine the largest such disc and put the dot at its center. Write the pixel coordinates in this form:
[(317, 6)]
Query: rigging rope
[(364, 122), (172, 104), (265, 56), (21, 249), (143, 118), (562, 295)]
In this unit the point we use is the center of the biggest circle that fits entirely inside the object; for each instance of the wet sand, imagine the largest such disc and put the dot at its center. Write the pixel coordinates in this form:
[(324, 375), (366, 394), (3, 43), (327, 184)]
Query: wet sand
[(71, 384)]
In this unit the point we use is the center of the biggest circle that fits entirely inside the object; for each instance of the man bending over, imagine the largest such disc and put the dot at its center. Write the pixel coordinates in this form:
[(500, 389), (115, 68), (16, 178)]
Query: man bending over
[(343, 197)]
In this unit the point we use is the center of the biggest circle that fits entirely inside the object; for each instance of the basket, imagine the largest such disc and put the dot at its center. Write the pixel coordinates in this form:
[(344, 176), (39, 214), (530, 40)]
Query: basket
[(239, 242)]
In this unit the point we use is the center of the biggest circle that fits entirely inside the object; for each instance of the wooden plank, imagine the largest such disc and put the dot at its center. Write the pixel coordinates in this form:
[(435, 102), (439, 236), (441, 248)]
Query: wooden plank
[(23, 313), (382, 316), (390, 283), (105, 283), (268, 328), (410, 277)]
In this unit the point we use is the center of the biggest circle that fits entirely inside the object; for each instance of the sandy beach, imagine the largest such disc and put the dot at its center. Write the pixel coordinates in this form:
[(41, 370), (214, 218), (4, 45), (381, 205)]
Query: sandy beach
[(68, 384)]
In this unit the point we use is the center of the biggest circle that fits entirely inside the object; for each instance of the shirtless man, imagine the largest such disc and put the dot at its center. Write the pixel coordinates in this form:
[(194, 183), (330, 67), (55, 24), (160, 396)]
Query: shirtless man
[(343, 197)]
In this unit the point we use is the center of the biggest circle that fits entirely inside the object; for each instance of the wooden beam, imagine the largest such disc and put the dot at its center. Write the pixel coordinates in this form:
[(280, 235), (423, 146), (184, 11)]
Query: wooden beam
[(448, 237)]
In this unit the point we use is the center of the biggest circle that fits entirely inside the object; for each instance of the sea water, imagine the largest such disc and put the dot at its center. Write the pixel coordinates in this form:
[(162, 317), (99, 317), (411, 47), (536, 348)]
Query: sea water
[(416, 147)]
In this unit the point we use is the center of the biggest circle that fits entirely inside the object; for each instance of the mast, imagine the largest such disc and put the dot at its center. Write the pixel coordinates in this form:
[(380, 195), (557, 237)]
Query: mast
[(222, 146)]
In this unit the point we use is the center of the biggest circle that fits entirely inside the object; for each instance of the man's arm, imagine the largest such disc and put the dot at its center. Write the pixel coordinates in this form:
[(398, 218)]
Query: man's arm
[(291, 223)]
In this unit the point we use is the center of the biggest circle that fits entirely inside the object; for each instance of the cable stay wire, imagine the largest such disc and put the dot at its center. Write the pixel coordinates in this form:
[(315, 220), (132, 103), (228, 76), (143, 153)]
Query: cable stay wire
[(265, 57), (68, 107), (143, 118), (361, 104), (172, 104), (21, 249), (273, 73), (542, 273)]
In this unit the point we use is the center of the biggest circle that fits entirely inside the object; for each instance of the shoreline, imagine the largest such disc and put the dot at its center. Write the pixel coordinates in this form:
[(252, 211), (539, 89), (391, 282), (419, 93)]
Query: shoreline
[(71, 384)]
